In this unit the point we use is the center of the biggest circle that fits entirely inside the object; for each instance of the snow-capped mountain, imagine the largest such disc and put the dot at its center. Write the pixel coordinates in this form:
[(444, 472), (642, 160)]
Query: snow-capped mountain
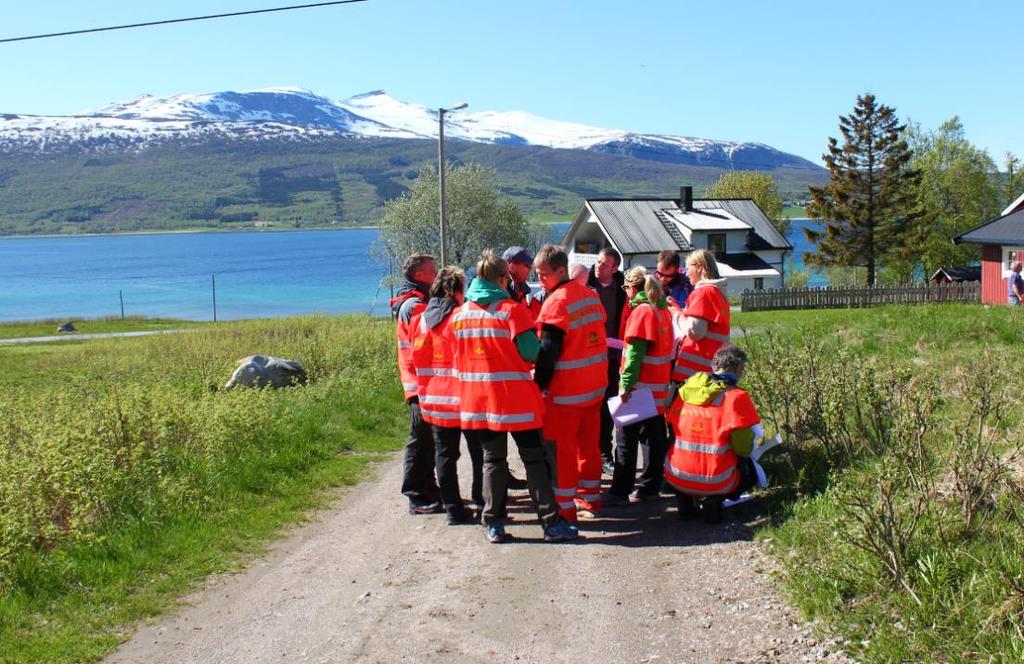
[(301, 115)]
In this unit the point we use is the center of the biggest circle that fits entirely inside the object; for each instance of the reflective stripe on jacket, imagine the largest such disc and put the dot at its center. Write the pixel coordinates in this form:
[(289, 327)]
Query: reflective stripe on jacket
[(496, 390), (694, 355), (581, 370), (406, 373), (702, 462), (653, 325), (433, 358)]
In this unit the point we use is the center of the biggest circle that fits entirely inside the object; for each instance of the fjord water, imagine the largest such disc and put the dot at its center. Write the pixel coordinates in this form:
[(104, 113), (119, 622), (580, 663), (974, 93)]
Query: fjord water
[(258, 274), (168, 275)]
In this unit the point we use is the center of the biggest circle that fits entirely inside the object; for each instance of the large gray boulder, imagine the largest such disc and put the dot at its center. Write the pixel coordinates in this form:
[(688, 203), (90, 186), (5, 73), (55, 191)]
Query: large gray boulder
[(264, 371)]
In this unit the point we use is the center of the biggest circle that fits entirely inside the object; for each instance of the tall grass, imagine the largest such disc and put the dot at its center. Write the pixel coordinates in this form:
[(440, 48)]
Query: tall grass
[(126, 473), (897, 509)]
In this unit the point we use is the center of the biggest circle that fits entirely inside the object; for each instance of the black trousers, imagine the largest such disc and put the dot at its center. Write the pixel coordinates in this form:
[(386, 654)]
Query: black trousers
[(607, 424), (531, 450), (446, 459), (650, 432), (418, 482)]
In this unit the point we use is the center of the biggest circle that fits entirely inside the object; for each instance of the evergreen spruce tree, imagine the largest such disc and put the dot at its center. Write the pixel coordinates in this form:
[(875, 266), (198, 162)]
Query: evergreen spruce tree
[(868, 201)]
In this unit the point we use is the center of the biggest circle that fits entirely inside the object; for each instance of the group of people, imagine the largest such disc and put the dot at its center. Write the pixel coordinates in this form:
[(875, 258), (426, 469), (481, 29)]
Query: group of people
[(490, 359)]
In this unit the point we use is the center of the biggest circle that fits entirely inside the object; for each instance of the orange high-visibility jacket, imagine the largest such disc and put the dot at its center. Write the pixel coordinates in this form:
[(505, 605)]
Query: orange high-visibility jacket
[(581, 370), (496, 390), (702, 463), (406, 373), (694, 355), (433, 356), (653, 325)]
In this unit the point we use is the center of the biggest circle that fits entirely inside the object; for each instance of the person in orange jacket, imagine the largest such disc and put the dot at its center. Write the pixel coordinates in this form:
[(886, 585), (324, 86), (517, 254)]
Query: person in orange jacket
[(495, 345), (646, 363), (572, 372), (433, 356), (712, 421), (706, 324), (418, 482)]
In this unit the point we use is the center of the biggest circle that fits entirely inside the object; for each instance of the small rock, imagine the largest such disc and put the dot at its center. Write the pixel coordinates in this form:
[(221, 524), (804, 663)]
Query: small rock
[(67, 327)]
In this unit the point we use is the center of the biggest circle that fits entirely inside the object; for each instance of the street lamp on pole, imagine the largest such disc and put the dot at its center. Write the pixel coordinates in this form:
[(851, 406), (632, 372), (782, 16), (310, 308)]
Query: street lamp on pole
[(440, 176)]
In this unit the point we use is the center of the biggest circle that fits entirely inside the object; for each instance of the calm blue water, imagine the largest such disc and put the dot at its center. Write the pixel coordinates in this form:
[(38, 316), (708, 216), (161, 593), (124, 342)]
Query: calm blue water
[(258, 274)]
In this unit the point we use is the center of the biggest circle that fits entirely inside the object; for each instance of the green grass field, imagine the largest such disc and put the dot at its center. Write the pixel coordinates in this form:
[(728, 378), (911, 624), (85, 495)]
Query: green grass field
[(127, 475), (48, 328)]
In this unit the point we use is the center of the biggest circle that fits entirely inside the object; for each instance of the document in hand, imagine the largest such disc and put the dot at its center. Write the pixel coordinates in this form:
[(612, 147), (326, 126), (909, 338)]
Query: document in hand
[(759, 450), (639, 407)]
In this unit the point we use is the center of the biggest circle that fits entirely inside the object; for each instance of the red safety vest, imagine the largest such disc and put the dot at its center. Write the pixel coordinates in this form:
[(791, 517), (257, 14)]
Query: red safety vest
[(694, 355), (581, 370), (654, 325), (406, 373), (702, 463), (433, 356), (496, 389)]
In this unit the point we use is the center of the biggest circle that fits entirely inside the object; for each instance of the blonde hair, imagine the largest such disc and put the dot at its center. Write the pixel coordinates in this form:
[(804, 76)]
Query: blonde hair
[(635, 276), (491, 267), (653, 288), (705, 260)]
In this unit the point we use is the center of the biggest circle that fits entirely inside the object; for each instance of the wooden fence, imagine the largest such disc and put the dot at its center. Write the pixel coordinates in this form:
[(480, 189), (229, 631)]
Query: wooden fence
[(858, 296)]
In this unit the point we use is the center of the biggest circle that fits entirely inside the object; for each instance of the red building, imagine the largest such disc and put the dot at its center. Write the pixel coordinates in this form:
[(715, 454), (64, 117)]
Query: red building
[(1002, 244)]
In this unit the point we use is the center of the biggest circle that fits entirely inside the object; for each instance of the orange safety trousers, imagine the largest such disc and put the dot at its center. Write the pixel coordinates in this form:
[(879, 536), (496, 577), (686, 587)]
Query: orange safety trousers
[(575, 430)]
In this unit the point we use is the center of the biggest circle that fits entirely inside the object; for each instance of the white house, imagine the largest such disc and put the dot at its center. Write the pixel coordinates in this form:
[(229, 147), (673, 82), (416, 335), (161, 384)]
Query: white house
[(749, 249)]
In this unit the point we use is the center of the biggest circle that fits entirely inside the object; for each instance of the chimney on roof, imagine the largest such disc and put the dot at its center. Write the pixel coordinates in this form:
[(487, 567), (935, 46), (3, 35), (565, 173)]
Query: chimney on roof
[(686, 198)]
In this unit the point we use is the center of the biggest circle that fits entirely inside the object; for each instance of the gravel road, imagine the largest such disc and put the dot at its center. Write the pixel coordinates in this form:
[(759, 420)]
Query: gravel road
[(366, 582)]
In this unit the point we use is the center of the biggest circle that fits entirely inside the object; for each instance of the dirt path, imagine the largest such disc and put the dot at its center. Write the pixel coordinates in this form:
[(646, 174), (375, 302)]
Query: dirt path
[(367, 582)]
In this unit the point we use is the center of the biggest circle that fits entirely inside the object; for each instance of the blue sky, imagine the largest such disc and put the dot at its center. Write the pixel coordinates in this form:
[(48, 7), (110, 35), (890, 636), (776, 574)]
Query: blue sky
[(775, 72)]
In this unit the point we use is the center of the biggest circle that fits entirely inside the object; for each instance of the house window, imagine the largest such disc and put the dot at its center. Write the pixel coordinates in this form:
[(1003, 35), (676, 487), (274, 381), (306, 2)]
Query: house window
[(1010, 256), (758, 283), (716, 243)]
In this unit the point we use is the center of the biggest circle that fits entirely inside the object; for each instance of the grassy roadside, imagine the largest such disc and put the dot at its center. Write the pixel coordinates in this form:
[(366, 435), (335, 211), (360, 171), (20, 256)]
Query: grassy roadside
[(48, 328), (897, 505), (126, 476)]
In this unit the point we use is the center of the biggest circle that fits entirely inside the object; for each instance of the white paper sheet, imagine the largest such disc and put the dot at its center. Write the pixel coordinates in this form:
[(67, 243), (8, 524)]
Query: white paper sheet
[(640, 407), (616, 343)]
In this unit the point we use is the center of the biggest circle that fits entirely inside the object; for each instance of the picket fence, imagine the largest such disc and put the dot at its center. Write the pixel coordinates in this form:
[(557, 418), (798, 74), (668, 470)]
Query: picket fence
[(858, 296)]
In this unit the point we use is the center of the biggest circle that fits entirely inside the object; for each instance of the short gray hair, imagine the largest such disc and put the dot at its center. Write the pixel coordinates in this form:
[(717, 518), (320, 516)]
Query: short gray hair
[(729, 359)]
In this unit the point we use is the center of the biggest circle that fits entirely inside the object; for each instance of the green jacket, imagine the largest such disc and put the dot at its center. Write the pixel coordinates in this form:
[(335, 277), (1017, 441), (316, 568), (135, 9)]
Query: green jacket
[(484, 292), (701, 388)]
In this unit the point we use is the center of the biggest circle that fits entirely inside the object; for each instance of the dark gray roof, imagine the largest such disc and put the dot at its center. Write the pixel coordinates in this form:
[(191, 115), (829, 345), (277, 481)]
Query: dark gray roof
[(743, 262), (969, 273), (748, 211), (633, 225), (1004, 230)]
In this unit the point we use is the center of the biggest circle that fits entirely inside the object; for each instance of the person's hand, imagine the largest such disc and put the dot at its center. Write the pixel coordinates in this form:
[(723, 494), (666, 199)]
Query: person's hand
[(625, 395)]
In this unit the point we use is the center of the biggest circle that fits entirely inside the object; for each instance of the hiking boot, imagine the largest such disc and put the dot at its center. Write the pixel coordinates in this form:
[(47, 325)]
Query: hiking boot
[(712, 509), (495, 533), (607, 467), (614, 499), (563, 531), (639, 496), (516, 484), (460, 516), (687, 509), (425, 508)]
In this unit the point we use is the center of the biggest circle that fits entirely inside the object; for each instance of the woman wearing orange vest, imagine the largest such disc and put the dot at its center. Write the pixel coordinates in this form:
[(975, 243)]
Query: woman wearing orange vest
[(646, 363), (433, 357), (712, 422), (495, 343), (706, 322), (572, 370)]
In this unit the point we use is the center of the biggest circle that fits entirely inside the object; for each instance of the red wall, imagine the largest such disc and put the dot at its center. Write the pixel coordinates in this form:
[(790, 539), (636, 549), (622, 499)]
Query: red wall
[(993, 285)]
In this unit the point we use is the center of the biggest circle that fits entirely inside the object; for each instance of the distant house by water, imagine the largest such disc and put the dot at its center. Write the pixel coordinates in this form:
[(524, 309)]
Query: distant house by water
[(1002, 244), (749, 249), (947, 275)]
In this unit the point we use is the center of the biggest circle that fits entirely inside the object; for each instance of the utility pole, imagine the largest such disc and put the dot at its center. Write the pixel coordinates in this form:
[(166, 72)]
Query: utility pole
[(213, 283), (440, 177)]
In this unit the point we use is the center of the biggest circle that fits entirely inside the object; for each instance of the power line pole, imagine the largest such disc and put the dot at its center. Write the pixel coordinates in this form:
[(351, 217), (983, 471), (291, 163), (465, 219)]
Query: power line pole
[(440, 177)]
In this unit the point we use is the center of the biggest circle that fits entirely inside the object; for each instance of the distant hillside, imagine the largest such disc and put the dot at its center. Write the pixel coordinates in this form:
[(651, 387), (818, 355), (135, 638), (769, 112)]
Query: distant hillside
[(219, 182)]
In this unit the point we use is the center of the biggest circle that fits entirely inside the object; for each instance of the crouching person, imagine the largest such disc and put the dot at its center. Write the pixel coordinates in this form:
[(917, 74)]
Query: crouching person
[(712, 422)]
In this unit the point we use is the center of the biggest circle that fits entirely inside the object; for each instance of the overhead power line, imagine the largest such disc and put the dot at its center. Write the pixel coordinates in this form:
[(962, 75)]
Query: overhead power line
[(180, 20)]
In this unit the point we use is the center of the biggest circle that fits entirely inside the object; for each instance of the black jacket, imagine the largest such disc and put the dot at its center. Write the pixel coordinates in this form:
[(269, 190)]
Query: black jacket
[(620, 295)]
